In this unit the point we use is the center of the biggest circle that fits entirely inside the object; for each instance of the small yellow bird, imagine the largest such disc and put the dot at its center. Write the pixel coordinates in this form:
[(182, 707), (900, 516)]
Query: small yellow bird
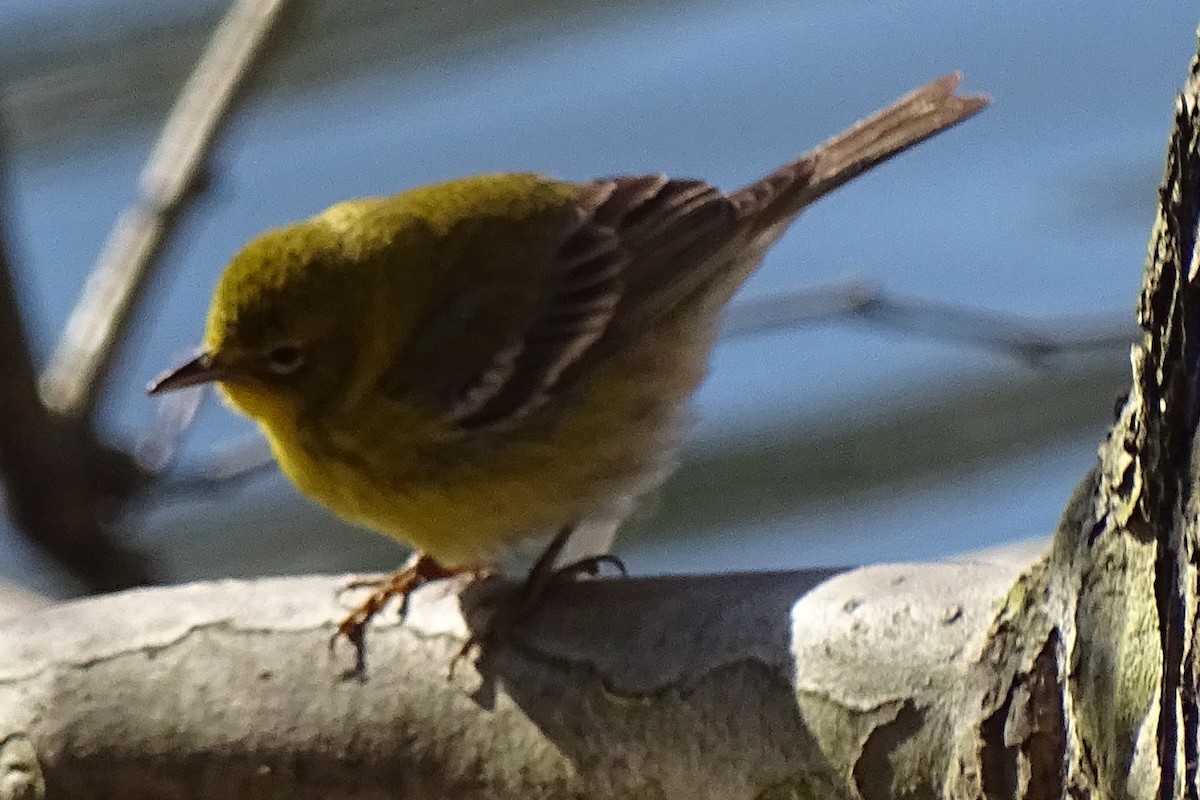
[(466, 364)]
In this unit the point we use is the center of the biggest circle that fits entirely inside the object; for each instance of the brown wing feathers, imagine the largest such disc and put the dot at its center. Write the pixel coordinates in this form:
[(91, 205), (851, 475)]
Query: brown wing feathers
[(643, 244), (575, 314), (629, 229)]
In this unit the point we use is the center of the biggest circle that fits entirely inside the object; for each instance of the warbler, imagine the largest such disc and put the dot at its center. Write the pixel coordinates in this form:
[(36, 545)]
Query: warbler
[(495, 357)]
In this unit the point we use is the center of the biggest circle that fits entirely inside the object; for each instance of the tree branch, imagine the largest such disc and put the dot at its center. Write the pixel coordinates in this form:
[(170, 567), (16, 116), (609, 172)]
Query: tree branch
[(733, 686), (79, 367)]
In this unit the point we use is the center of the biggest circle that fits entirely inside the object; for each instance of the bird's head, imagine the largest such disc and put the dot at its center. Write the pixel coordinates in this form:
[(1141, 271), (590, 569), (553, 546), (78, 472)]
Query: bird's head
[(283, 326)]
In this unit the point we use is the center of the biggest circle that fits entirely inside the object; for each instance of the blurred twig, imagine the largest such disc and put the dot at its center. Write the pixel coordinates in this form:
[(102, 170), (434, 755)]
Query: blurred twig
[(158, 448), (1027, 340), (60, 483), (232, 465), (83, 359)]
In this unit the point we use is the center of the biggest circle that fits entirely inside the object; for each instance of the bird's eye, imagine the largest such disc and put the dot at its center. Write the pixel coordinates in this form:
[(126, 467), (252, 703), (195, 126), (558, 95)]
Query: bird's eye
[(285, 359)]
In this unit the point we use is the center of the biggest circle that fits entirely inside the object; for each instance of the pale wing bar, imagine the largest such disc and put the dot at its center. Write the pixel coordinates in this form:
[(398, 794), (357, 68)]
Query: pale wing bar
[(627, 227)]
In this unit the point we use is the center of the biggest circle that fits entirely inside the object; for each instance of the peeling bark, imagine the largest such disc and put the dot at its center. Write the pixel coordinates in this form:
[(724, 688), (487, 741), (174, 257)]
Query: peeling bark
[(806, 684)]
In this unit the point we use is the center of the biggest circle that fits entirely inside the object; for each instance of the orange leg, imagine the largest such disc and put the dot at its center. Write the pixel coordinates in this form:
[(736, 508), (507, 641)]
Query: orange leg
[(419, 570)]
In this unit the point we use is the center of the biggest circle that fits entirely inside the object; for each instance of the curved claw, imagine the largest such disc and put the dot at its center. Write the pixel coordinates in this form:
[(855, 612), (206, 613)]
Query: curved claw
[(591, 566), (421, 569)]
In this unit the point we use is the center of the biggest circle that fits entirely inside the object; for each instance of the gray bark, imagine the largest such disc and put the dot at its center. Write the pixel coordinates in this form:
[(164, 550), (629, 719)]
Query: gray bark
[(791, 684)]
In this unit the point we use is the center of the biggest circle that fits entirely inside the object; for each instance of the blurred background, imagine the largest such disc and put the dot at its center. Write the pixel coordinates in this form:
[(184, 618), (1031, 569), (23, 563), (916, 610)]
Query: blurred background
[(829, 444)]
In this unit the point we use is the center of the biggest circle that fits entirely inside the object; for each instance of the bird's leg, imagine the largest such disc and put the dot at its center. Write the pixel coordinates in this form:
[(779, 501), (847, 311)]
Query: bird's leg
[(542, 575), (419, 570), (511, 610)]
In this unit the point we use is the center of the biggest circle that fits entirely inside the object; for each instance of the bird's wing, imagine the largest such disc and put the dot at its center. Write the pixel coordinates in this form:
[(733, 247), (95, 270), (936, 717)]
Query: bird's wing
[(644, 246), (632, 239)]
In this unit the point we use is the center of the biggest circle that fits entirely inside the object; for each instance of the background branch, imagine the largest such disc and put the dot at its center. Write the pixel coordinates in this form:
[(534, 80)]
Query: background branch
[(60, 483), (1032, 341), (81, 362)]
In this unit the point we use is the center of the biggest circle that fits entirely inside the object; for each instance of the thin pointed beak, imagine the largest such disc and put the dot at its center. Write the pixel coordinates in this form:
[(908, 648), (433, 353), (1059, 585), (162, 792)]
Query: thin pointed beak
[(200, 369)]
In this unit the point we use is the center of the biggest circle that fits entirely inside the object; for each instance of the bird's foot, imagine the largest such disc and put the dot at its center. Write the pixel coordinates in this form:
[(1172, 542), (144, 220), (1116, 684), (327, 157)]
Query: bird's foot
[(590, 567), (419, 570), (514, 609)]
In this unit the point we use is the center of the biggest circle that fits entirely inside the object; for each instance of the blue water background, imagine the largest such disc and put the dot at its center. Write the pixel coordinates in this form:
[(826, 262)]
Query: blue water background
[(1040, 206)]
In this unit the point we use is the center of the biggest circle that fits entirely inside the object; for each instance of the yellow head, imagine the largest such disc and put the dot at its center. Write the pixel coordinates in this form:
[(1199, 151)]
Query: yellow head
[(311, 315), (283, 328)]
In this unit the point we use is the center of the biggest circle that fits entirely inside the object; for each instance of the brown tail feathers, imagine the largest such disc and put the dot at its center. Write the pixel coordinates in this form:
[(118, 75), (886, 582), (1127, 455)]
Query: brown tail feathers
[(781, 195)]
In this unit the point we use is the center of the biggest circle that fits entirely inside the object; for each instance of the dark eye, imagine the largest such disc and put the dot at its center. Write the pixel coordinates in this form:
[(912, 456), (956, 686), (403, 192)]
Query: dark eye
[(285, 359)]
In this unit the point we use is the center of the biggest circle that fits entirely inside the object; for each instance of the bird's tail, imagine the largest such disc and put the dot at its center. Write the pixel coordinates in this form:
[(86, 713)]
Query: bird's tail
[(778, 197)]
